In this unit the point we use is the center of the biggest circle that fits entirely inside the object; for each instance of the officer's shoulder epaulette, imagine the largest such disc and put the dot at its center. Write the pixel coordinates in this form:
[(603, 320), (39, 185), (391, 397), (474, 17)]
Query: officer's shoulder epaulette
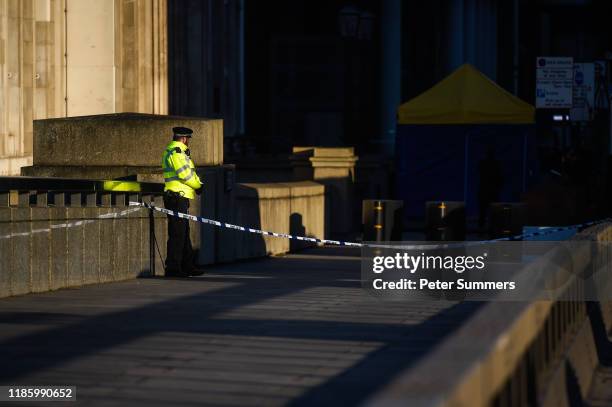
[(177, 150)]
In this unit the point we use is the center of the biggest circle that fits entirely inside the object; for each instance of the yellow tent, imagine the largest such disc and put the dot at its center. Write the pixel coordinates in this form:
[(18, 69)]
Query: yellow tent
[(466, 96)]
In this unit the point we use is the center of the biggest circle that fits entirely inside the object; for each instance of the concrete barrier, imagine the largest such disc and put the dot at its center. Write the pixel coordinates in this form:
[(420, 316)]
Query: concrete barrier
[(117, 140), (68, 242), (297, 207), (333, 167), (65, 243)]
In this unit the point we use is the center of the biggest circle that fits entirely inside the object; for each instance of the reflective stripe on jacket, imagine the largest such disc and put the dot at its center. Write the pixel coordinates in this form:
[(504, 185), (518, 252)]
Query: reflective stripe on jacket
[(179, 171)]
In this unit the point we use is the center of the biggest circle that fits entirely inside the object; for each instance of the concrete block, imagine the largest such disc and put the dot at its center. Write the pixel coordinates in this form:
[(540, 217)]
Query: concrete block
[(75, 247), (135, 235), (95, 172), (107, 249), (76, 199), (59, 199), (162, 243), (91, 243), (206, 206), (120, 243), (21, 277), (160, 234), (40, 241), (145, 266), (144, 241), (23, 199), (42, 198), (105, 199), (266, 207), (335, 168), (307, 216), (119, 199), (6, 251), (5, 198), (248, 245), (327, 152), (117, 140), (58, 248), (91, 199), (225, 202)]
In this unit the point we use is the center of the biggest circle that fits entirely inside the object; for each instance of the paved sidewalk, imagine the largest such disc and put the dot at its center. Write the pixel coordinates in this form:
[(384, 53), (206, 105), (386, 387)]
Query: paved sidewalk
[(293, 330)]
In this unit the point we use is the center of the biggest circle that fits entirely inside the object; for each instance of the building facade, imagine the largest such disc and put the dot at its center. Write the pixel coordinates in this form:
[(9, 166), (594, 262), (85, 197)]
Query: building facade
[(62, 58)]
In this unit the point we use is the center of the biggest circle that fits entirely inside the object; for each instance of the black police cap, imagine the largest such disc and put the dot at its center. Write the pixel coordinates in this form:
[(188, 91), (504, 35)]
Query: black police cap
[(182, 131)]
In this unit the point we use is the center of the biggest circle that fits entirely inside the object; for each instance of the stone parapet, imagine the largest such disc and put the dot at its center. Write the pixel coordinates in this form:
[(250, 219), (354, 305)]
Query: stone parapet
[(333, 167), (71, 243), (296, 208), (95, 172), (121, 140), (52, 238)]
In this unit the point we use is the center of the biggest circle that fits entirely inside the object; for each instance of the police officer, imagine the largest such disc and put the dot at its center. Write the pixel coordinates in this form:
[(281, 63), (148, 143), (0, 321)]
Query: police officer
[(181, 184)]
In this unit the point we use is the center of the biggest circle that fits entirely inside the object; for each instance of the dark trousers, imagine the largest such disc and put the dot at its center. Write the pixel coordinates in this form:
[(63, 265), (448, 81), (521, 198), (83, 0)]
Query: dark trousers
[(180, 253)]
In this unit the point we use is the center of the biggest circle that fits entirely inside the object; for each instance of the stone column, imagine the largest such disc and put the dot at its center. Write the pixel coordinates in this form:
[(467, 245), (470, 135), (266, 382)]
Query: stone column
[(333, 167), (390, 73)]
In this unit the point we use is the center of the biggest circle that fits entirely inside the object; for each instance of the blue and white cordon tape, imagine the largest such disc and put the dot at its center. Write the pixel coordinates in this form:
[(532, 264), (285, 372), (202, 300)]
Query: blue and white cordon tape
[(225, 225), (241, 228), (67, 225)]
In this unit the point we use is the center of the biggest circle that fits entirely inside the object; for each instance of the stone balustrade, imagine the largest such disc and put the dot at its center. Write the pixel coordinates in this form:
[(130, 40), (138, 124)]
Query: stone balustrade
[(521, 353), (66, 238), (58, 233), (296, 208)]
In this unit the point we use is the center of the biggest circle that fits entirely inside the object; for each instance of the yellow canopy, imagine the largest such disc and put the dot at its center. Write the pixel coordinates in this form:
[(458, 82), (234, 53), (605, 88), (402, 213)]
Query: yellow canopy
[(466, 96)]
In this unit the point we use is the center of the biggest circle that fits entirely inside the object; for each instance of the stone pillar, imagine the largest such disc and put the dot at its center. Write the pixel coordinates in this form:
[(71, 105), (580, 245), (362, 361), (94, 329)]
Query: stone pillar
[(390, 73), (333, 167), (77, 57)]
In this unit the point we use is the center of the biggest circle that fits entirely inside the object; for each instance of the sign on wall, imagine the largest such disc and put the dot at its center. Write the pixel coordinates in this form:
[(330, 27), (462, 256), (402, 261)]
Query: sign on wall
[(554, 80)]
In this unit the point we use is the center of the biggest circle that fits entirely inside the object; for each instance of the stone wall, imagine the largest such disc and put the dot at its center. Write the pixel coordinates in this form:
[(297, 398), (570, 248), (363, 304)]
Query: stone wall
[(53, 240), (61, 58), (46, 247), (296, 208), (334, 167), (119, 140)]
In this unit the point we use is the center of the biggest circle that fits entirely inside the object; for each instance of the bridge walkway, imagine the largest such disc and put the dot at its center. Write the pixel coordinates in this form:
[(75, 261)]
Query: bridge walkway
[(292, 330)]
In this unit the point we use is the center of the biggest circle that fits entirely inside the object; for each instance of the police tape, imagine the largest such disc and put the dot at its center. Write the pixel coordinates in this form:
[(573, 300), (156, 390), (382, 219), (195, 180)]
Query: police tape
[(200, 219), (225, 225), (67, 225)]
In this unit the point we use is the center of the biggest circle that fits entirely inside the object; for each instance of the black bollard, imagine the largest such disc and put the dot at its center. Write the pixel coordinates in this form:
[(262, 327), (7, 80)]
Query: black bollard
[(445, 220), (506, 219), (382, 220)]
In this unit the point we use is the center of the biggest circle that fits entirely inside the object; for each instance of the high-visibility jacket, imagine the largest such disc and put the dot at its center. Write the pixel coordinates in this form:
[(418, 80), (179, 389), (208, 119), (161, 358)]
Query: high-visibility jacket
[(179, 171)]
